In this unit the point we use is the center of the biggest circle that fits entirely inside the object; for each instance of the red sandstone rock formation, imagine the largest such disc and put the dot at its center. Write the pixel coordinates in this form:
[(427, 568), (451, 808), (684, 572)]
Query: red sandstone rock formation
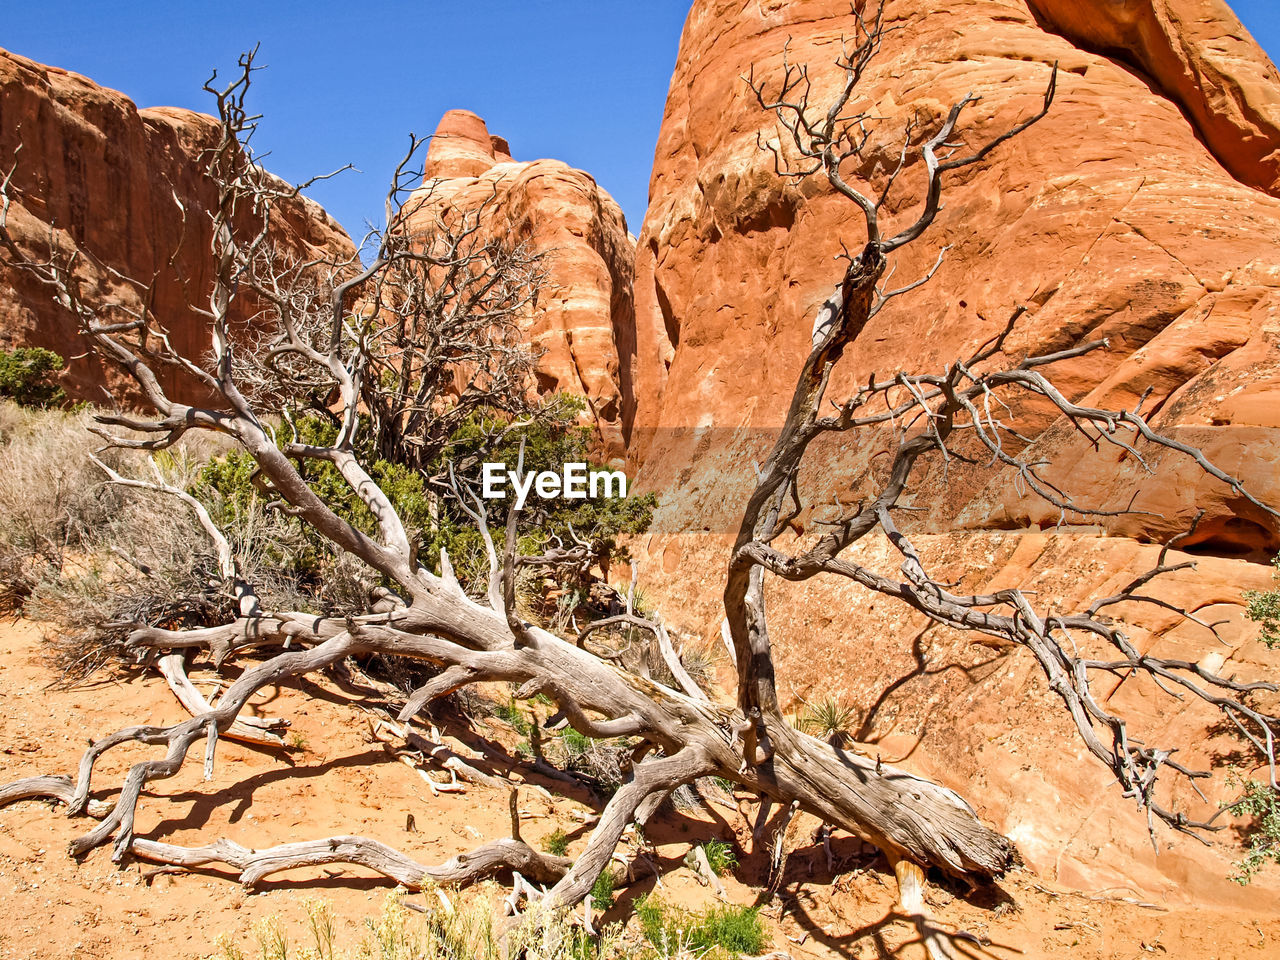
[(1201, 57), (107, 177), (1116, 216), (1133, 231), (585, 316)]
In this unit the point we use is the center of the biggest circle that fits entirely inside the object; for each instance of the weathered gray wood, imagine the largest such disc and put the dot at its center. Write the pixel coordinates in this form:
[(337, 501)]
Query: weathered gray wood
[(174, 672), (255, 865)]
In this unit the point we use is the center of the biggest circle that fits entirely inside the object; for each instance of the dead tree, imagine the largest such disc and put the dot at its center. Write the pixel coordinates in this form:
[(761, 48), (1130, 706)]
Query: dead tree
[(683, 734), (443, 304), (435, 317)]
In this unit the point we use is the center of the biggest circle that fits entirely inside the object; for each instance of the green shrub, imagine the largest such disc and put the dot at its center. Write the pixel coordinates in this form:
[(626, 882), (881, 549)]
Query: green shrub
[(827, 719), (602, 890), (510, 712), (432, 518), (1264, 608), (552, 439), (227, 484), (721, 856), (655, 922), (575, 744), (734, 929), (731, 929), (140, 557), (26, 377), (556, 843), (1261, 802)]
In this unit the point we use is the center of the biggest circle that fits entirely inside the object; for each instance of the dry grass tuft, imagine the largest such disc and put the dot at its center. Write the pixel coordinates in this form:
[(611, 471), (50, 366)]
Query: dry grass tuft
[(94, 560), (442, 931)]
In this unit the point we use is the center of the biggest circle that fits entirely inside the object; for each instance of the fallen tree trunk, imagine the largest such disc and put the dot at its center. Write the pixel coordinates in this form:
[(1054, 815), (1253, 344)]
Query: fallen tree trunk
[(245, 729)]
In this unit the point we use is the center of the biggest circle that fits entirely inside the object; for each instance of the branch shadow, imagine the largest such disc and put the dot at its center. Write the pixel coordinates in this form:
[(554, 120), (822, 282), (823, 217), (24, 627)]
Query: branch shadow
[(866, 729), (928, 934), (241, 792)]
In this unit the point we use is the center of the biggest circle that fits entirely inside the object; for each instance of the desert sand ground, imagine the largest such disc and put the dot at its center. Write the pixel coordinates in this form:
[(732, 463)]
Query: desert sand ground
[(338, 779)]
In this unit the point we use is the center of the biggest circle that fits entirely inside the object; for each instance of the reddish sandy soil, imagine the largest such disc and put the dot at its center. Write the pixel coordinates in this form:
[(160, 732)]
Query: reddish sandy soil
[(342, 781)]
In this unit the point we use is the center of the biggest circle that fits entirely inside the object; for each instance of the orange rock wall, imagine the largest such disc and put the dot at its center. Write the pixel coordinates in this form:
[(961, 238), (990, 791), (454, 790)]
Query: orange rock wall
[(1134, 232), (585, 316), (105, 176), (1120, 215), (1201, 57)]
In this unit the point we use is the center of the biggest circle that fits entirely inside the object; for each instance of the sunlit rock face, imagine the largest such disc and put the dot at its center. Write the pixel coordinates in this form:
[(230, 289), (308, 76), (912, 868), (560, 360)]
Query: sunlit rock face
[(1196, 53), (127, 186), (1139, 211), (584, 321)]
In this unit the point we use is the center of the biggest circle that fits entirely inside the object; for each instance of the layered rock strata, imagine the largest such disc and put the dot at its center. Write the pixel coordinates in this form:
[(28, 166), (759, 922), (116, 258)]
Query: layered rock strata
[(1139, 210), (584, 321), (101, 178)]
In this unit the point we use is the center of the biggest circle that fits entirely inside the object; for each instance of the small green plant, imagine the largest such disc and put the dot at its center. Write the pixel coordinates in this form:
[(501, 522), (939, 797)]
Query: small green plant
[(729, 929), (1261, 802), (575, 744), (827, 719), (26, 377), (556, 843), (726, 929), (1264, 608), (510, 712), (654, 920), (583, 946), (722, 856), (602, 890), (297, 741), (734, 929)]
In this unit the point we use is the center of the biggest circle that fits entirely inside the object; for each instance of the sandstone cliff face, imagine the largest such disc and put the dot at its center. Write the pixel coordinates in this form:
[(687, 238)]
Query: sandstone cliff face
[(106, 178), (1197, 54), (1110, 218), (1133, 232), (585, 316)]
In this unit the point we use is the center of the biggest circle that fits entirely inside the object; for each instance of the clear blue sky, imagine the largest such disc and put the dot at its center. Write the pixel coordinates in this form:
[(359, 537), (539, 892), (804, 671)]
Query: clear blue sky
[(583, 81)]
